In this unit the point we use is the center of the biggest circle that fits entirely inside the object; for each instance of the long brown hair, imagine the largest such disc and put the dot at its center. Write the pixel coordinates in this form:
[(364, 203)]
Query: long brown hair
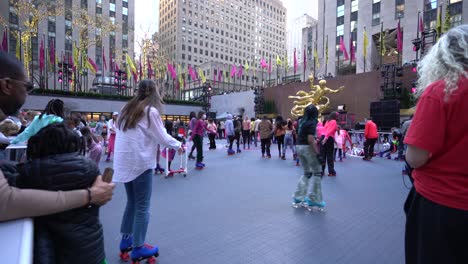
[(147, 96)]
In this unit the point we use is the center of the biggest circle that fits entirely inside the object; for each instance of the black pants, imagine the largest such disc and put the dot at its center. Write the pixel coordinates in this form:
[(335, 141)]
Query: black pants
[(434, 233), (327, 152), (280, 142), (369, 147), (211, 137), (231, 141), (246, 137), (340, 153), (198, 142), (265, 142), (237, 138)]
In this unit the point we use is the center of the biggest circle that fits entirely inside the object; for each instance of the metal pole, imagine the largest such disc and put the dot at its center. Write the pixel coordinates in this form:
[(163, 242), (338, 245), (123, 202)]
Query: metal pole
[(381, 43), (417, 36)]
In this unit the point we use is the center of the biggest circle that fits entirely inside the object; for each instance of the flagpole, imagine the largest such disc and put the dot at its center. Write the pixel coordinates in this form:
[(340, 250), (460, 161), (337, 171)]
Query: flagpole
[(381, 43), (269, 72), (326, 56), (365, 48), (417, 35), (400, 44)]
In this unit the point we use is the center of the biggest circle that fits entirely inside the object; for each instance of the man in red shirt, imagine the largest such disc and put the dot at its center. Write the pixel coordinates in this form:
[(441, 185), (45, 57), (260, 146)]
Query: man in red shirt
[(371, 135), (437, 207)]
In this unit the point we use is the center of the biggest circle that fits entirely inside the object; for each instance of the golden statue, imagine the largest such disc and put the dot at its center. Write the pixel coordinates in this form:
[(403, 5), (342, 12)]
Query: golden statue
[(316, 97)]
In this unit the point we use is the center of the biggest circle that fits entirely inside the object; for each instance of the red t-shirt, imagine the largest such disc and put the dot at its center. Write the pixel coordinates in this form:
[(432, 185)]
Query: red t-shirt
[(370, 130), (442, 129)]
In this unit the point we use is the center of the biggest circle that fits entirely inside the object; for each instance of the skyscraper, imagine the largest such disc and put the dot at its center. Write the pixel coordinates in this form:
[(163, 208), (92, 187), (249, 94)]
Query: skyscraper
[(219, 34), (341, 20), (106, 26)]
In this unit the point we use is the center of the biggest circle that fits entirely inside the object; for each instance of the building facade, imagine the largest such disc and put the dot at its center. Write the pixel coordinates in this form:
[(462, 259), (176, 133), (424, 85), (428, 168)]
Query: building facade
[(348, 19), (220, 34), (296, 36), (76, 20)]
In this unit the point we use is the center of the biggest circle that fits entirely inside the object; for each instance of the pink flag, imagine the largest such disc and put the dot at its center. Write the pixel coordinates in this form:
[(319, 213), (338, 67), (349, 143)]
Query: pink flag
[(150, 70), (192, 74), (5, 40), (214, 77), (421, 24), (233, 71), (343, 49), (170, 69), (41, 56), (52, 53), (351, 49), (135, 76), (239, 72), (104, 62), (220, 76), (399, 38), (93, 64), (263, 63), (295, 61)]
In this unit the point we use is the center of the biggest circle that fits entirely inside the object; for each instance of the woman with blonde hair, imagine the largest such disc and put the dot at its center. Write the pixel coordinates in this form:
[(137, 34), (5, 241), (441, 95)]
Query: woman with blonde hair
[(139, 131), (437, 206)]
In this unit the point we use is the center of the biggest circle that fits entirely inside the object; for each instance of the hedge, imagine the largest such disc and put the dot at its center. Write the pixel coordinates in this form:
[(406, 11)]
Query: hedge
[(105, 96)]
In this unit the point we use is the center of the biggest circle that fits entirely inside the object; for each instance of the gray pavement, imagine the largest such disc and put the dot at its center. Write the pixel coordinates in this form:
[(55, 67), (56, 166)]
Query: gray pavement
[(238, 210)]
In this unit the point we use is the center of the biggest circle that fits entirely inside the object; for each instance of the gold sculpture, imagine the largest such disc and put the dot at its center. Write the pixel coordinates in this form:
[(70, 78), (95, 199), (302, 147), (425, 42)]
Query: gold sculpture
[(316, 97)]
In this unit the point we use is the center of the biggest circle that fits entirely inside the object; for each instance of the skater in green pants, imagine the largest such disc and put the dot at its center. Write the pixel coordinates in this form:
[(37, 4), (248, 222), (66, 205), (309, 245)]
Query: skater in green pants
[(309, 188)]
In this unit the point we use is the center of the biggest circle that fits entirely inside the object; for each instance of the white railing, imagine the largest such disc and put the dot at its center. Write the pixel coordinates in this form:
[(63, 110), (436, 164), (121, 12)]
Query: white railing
[(16, 241)]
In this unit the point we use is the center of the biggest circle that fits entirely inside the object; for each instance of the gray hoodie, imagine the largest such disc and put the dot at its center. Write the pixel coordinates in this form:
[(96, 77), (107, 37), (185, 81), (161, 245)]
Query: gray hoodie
[(229, 126)]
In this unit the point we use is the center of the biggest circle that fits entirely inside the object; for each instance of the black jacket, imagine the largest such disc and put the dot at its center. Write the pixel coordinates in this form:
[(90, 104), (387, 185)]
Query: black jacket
[(74, 236)]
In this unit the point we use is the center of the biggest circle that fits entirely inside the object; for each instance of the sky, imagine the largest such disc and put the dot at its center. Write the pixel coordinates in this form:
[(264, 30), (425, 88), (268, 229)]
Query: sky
[(147, 14)]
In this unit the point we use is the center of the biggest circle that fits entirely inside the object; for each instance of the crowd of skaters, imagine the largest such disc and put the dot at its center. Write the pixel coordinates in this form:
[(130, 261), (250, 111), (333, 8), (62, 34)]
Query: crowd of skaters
[(63, 190)]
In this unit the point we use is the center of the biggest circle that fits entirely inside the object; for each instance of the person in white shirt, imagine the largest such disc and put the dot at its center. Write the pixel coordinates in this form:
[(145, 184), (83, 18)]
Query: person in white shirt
[(139, 130), (257, 122)]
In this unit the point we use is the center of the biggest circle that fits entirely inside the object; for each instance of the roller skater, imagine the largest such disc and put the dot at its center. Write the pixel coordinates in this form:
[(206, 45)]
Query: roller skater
[(307, 194), (264, 129), (197, 136), (229, 127)]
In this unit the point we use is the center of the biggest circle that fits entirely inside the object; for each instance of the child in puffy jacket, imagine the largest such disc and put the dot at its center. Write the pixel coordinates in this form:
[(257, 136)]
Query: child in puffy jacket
[(338, 144), (55, 162)]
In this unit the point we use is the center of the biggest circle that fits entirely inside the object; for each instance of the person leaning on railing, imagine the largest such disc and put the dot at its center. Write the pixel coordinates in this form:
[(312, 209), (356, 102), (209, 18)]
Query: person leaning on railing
[(17, 203)]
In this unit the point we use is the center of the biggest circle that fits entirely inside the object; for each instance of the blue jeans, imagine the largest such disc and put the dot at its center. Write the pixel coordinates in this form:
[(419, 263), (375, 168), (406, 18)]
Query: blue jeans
[(136, 216)]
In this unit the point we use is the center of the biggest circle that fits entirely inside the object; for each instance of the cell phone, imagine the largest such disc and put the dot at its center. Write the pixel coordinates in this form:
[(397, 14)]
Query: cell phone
[(107, 175)]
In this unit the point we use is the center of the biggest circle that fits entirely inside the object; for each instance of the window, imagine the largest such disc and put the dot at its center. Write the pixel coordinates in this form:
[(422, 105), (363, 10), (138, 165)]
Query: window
[(340, 30), (340, 20), (340, 11), (354, 16), (430, 5), (399, 9), (376, 13), (125, 11), (112, 7), (354, 5)]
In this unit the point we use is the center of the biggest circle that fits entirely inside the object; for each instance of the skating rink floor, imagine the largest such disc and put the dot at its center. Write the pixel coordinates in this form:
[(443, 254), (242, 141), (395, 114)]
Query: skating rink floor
[(238, 210)]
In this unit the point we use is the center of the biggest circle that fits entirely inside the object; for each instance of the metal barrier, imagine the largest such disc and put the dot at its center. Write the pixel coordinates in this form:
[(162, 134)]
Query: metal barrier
[(357, 136), (16, 240)]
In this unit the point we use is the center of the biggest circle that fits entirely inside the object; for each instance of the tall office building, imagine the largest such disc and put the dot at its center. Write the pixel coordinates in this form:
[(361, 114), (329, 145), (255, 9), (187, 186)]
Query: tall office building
[(216, 34), (63, 32), (341, 19), (296, 36)]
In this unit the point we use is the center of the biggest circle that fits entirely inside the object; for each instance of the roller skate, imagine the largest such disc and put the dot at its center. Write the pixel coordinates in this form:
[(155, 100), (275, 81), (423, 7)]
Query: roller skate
[(145, 252), (310, 206), (191, 157), (158, 169), (283, 157), (231, 152), (199, 166), (269, 156), (238, 150), (296, 203), (125, 247)]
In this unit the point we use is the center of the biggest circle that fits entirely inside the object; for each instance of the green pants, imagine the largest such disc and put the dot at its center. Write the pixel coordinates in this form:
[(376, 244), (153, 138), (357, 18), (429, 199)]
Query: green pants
[(198, 142), (312, 172)]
